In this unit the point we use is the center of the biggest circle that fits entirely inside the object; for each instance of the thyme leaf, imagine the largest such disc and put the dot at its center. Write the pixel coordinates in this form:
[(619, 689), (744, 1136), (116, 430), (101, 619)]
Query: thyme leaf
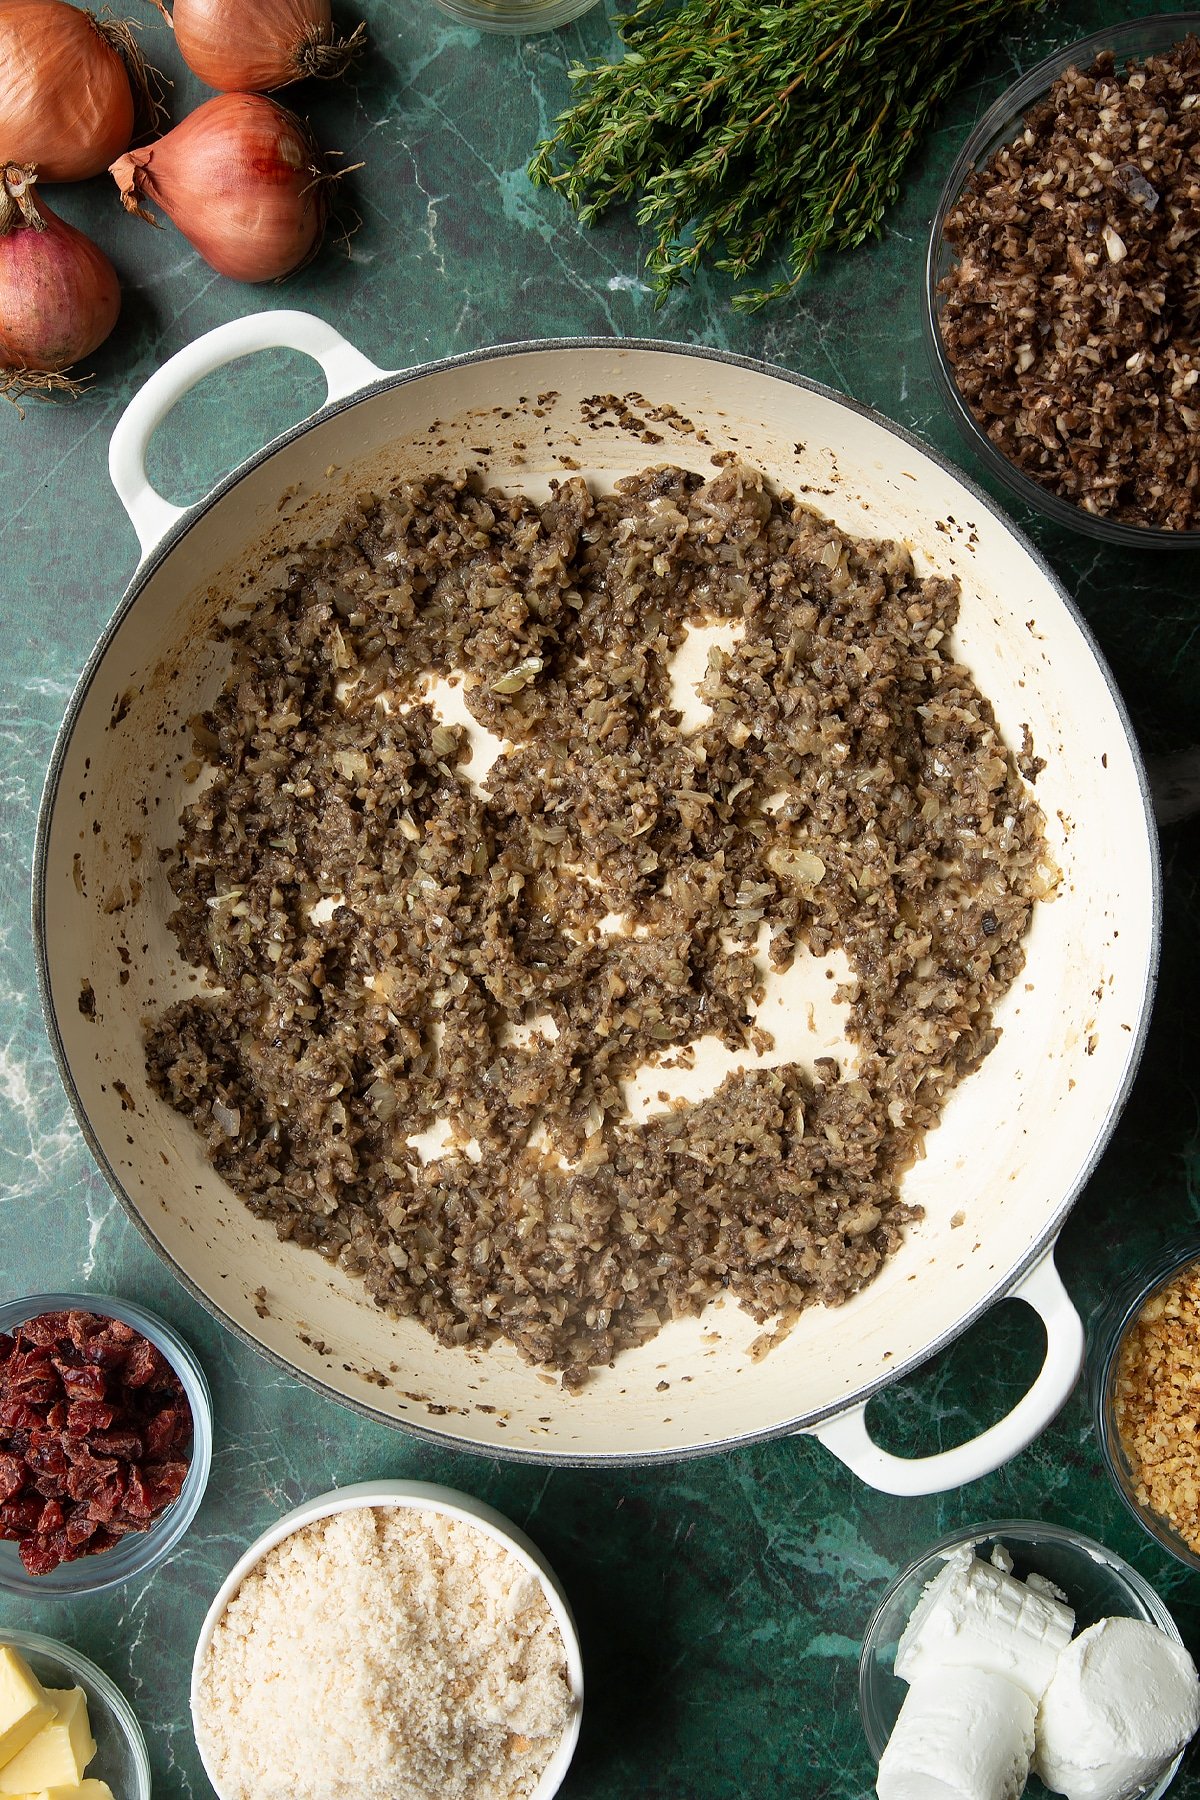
[(740, 127)]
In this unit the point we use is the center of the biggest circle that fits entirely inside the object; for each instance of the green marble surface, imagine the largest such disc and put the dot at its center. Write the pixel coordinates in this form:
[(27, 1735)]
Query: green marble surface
[(721, 1602)]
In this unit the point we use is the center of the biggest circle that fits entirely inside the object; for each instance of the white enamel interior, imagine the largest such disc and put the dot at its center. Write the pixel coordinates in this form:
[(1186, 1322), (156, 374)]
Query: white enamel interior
[(1001, 1170)]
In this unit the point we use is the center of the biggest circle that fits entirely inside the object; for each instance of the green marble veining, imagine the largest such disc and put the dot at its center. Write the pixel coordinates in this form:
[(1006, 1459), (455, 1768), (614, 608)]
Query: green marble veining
[(721, 1602)]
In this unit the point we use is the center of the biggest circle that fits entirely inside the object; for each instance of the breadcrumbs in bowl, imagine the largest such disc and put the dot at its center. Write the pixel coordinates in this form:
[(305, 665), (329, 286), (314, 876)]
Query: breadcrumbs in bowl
[(392, 1641), (1146, 1398)]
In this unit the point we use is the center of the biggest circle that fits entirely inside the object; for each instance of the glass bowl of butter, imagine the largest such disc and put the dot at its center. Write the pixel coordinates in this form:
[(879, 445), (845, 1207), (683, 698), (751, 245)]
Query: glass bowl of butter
[(64, 1726), (1012, 1594)]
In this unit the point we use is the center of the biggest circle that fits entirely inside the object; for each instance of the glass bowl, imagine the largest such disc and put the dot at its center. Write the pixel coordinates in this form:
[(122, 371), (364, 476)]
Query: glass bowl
[(1097, 1582), (1108, 1334), (421, 1496), (120, 1757), (515, 15), (1000, 125), (139, 1551)]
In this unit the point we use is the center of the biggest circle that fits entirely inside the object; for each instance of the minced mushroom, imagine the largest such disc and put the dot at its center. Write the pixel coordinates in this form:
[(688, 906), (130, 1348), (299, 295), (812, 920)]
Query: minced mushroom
[(409, 951), (1070, 314)]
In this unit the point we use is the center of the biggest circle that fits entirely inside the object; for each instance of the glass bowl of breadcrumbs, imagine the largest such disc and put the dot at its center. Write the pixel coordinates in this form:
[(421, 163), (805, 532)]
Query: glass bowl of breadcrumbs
[(1146, 1397)]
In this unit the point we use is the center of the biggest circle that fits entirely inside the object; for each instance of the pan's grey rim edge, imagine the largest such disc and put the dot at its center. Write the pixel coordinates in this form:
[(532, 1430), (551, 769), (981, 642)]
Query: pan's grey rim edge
[(171, 540)]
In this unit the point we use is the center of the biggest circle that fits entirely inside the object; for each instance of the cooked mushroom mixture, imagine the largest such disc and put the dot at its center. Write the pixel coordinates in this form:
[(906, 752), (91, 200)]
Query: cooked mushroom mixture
[(393, 947), (1072, 314)]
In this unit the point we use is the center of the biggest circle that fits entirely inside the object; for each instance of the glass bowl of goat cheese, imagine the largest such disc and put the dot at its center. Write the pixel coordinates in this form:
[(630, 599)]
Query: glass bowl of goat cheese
[(1030, 1630)]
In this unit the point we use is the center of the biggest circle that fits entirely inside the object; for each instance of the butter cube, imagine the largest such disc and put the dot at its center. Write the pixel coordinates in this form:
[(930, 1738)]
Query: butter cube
[(57, 1755), (87, 1790), (24, 1707)]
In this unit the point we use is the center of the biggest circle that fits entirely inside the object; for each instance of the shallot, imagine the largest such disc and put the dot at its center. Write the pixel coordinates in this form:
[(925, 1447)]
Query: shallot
[(59, 296), (242, 49), (71, 86), (244, 181)]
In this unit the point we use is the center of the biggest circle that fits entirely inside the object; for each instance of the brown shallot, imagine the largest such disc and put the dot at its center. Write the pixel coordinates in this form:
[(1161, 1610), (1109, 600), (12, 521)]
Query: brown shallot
[(243, 49), (71, 88), (59, 296), (244, 181)]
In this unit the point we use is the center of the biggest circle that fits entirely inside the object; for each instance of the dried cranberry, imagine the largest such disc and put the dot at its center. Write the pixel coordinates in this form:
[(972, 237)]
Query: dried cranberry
[(82, 1382), (80, 1528), (112, 1533), (19, 1517), (38, 1556), (45, 1452), (83, 1399), (145, 1364), (40, 1391), (86, 1417), (47, 1329), (165, 1481), (86, 1472), (16, 1415), (138, 1502), (12, 1476), (28, 1365), (106, 1498), (127, 1444), (167, 1430)]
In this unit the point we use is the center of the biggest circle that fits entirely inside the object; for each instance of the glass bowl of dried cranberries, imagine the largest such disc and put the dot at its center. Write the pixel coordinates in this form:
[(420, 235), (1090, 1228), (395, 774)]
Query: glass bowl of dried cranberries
[(105, 1442)]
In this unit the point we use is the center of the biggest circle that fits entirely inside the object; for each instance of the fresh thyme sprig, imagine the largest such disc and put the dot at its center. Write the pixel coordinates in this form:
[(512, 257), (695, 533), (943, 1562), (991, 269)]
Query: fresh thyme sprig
[(745, 124)]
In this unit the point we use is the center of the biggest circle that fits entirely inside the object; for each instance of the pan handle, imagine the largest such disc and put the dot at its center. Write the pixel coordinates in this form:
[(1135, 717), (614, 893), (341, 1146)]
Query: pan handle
[(346, 370), (849, 1440)]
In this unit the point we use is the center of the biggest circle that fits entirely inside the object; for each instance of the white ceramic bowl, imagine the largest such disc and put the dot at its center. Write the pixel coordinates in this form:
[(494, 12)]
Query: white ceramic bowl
[(418, 1496)]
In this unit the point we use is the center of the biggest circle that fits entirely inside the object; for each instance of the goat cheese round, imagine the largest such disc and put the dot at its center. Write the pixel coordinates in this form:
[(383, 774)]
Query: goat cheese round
[(1124, 1700), (977, 1614), (961, 1736)]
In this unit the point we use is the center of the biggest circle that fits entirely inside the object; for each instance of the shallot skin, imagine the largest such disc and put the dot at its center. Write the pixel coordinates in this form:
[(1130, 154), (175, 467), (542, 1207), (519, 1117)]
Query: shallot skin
[(59, 297), (65, 100), (242, 179), (238, 49)]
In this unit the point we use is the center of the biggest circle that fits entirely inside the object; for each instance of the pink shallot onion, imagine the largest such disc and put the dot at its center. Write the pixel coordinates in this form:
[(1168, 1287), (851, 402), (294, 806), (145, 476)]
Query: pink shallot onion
[(248, 49), (244, 181), (71, 86), (59, 296)]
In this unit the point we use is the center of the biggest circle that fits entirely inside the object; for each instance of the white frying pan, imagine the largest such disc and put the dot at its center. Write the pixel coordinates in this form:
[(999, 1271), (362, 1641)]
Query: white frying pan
[(1019, 1137)]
